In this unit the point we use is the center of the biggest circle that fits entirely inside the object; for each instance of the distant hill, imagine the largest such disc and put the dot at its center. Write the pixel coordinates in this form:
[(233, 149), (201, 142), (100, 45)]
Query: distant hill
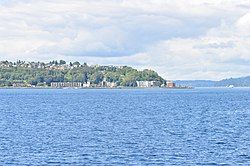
[(237, 82), (195, 83)]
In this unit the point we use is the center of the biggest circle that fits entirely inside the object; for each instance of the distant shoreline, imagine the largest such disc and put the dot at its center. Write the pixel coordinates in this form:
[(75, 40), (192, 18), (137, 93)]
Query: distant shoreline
[(97, 88), (180, 88)]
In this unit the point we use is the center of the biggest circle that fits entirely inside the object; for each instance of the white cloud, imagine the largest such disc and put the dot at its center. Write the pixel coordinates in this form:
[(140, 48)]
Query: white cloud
[(243, 25), (205, 39)]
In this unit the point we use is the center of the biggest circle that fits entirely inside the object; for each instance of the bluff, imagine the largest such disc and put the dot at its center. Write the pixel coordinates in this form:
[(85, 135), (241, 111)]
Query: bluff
[(42, 74)]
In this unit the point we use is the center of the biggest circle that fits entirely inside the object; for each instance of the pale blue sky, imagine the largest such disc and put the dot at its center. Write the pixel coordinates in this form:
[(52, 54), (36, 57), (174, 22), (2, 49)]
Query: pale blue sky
[(195, 39)]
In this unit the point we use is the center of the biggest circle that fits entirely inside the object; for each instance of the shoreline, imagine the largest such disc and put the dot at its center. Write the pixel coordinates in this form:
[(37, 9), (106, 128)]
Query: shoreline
[(77, 88), (97, 88)]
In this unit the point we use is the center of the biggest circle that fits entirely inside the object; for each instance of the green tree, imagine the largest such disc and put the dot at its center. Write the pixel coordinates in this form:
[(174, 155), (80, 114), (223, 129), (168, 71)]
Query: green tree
[(96, 78), (76, 64), (62, 62)]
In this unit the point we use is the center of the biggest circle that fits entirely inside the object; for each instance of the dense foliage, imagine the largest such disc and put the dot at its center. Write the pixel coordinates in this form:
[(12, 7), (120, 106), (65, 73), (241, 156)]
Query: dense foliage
[(60, 72)]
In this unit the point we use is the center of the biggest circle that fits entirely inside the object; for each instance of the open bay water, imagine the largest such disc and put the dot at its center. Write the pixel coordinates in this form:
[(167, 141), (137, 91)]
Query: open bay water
[(125, 126)]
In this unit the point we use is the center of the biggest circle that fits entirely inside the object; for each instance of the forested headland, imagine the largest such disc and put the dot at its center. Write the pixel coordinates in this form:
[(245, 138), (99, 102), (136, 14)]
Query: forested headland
[(42, 74)]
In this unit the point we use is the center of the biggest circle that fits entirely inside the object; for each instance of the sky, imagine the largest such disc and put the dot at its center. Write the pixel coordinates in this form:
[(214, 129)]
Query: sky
[(194, 39)]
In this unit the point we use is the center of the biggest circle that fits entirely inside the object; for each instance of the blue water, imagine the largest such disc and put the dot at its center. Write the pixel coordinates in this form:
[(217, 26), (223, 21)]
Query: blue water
[(125, 127)]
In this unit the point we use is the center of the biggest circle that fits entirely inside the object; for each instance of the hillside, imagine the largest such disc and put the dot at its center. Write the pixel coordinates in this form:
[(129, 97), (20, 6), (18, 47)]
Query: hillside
[(195, 83), (40, 73), (237, 82)]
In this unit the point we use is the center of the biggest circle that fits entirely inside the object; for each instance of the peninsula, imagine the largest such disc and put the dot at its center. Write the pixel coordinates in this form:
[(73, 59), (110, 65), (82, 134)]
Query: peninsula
[(59, 74)]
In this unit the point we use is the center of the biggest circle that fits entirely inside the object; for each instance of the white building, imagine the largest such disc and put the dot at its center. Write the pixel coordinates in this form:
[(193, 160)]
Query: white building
[(108, 84), (86, 85), (147, 84), (66, 84)]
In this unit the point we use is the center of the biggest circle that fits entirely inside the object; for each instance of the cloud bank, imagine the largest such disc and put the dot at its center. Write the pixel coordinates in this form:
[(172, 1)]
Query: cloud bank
[(205, 39)]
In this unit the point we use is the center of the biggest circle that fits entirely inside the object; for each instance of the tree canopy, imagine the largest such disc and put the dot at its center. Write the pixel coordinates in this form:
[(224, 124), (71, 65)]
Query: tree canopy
[(41, 73)]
